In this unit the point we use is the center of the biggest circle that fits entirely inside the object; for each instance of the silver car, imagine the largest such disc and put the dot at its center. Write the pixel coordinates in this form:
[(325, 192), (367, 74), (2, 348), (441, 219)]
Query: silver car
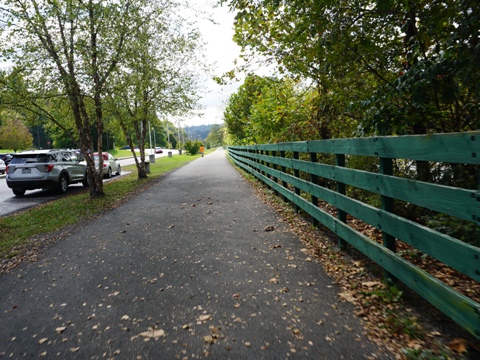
[(2, 167), (45, 169), (110, 164)]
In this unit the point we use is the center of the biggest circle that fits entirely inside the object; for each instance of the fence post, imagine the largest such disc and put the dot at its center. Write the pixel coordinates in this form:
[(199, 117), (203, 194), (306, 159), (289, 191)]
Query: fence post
[(284, 170), (386, 168), (274, 167), (297, 175), (261, 152), (314, 180), (341, 189)]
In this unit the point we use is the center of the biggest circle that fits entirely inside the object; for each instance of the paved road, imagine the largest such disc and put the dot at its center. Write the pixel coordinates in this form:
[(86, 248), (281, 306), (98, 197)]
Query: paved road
[(184, 270)]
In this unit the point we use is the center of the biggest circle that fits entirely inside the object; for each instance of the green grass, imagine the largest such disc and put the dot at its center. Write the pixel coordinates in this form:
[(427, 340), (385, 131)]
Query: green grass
[(17, 229)]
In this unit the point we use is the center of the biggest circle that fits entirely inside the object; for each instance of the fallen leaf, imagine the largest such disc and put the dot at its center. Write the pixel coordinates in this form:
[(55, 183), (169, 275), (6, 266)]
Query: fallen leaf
[(347, 295), (458, 345), (204, 317), (60, 329), (43, 340), (371, 284), (153, 333), (208, 339), (74, 349), (125, 317), (269, 228)]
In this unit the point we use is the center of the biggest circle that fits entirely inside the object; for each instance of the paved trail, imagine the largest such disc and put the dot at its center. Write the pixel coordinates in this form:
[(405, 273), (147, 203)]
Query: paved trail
[(184, 270)]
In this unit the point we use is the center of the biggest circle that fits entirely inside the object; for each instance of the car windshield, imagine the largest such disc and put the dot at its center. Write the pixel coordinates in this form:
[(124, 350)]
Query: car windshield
[(30, 158)]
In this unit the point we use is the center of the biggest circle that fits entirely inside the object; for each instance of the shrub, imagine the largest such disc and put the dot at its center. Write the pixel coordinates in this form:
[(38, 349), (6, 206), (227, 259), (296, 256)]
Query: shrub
[(193, 147)]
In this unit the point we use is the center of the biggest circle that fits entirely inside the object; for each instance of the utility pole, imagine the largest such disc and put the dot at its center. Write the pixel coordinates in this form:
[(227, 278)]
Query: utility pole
[(168, 134), (150, 136)]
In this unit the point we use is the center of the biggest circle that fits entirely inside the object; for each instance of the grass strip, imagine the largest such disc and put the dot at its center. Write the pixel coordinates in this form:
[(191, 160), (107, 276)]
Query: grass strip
[(16, 229)]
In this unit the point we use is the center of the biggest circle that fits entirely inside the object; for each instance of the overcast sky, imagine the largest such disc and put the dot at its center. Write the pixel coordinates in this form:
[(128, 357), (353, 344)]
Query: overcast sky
[(221, 50)]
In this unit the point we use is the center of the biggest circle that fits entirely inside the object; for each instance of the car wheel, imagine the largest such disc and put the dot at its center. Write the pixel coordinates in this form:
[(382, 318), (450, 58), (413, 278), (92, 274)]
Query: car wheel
[(19, 192), (109, 172), (85, 180), (62, 184), (119, 169)]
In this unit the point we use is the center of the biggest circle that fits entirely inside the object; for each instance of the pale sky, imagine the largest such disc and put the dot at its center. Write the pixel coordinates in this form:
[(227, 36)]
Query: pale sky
[(220, 49)]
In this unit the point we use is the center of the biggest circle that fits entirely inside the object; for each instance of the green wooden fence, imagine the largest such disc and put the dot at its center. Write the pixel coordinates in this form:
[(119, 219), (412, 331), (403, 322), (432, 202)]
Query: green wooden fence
[(293, 170)]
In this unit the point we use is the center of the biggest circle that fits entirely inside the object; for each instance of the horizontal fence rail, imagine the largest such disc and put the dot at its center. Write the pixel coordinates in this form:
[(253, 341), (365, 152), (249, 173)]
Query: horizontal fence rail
[(295, 171)]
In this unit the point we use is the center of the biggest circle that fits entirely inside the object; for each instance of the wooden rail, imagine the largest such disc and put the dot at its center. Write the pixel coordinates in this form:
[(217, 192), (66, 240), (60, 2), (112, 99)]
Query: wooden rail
[(293, 169)]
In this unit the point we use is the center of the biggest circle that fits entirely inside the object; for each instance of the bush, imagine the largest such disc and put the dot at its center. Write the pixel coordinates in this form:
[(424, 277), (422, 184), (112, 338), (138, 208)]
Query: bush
[(193, 147)]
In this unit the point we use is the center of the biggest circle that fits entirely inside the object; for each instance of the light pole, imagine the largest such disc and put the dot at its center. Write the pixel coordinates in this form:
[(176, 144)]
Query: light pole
[(150, 137), (168, 134), (154, 139)]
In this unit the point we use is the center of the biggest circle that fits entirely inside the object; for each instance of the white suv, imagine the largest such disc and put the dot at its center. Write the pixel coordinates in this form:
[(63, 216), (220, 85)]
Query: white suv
[(45, 169)]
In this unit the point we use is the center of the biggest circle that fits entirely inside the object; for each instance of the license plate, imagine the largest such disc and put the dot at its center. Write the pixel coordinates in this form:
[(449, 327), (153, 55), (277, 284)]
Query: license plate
[(26, 171)]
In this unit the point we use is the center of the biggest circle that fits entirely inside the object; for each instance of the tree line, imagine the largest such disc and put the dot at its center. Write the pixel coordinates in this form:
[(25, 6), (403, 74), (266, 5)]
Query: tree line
[(85, 68), (355, 68), (361, 68)]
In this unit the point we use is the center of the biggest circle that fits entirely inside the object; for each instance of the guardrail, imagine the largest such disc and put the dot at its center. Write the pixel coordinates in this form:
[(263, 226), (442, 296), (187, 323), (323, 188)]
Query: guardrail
[(294, 171)]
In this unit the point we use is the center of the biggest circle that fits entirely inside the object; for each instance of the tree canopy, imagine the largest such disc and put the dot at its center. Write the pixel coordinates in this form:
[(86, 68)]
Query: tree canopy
[(72, 56), (13, 132), (390, 66)]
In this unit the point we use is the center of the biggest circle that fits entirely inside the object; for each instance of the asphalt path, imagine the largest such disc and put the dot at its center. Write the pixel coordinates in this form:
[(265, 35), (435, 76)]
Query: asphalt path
[(9, 203), (196, 266)]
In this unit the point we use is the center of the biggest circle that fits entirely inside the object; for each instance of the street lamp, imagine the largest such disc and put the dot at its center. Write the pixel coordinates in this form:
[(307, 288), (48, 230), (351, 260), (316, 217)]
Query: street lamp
[(154, 139), (150, 136)]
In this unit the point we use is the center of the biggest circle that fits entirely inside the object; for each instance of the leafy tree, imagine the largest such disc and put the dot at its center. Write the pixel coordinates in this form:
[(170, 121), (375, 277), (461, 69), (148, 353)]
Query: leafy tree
[(266, 110), (393, 66), (13, 132), (71, 50), (237, 115), (156, 78), (216, 136), (41, 112)]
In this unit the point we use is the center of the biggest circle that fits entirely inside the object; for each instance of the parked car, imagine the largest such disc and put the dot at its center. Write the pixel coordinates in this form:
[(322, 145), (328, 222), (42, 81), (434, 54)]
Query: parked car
[(110, 164), (6, 158), (158, 150), (45, 169), (3, 167), (127, 147)]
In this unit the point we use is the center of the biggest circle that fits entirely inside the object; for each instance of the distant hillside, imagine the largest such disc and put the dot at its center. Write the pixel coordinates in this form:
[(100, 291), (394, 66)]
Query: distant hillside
[(199, 132)]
